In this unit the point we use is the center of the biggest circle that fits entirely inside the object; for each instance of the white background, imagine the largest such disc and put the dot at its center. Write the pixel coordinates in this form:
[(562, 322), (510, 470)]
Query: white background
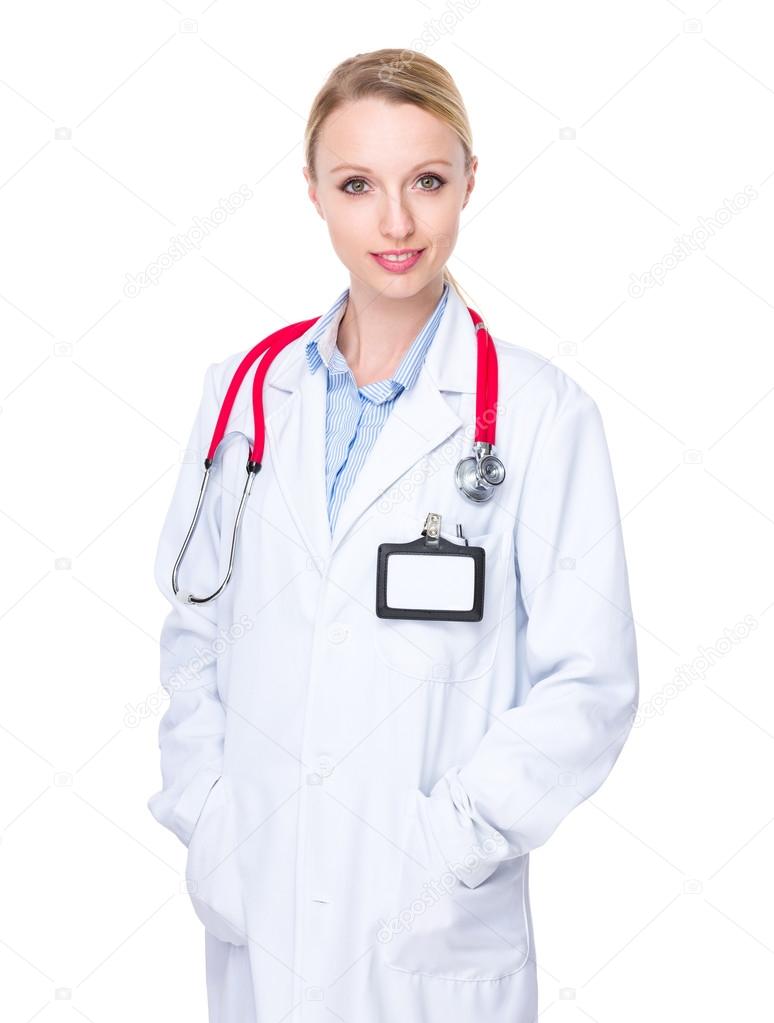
[(605, 131)]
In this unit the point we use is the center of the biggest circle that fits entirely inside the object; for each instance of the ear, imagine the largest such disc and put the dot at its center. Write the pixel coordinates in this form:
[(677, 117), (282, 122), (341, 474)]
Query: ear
[(312, 192), (471, 179)]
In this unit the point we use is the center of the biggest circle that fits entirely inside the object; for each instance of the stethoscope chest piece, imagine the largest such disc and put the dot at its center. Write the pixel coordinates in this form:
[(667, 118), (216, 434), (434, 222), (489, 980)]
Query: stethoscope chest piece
[(477, 475)]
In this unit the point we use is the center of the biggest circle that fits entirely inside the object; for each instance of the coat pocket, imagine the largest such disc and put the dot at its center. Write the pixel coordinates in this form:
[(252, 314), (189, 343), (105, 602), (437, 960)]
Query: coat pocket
[(212, 875), (439, 927), (443, 651)]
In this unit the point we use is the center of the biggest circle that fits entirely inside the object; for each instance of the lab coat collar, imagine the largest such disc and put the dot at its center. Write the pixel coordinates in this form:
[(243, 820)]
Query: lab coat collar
[(450, 361), (421, 420)]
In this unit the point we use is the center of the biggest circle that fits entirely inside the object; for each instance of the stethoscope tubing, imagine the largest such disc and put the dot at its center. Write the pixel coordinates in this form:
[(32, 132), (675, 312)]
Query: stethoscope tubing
[(271, 346)]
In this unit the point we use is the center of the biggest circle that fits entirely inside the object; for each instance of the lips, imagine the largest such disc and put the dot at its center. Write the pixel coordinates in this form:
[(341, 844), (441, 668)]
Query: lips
[(398, 260)]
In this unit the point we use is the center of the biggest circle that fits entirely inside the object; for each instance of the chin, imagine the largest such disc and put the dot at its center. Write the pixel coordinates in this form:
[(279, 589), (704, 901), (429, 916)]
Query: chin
[(402, 284)]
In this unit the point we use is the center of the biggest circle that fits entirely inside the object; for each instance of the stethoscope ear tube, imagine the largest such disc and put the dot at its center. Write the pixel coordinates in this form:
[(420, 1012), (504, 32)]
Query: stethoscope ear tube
[(253, 468)]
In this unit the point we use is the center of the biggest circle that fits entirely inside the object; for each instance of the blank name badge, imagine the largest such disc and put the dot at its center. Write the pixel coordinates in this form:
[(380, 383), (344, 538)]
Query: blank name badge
[(430, 578)]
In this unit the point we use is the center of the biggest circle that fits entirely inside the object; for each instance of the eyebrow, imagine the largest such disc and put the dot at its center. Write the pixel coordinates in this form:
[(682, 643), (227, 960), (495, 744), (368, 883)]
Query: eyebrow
[(367, 170)]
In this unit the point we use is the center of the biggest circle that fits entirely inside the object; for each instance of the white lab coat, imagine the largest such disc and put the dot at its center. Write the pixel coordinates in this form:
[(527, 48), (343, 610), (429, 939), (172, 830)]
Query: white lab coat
[(360, 796)]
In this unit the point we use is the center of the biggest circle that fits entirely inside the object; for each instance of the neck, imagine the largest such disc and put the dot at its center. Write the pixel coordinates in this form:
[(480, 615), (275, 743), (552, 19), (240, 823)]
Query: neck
[(376, 331)]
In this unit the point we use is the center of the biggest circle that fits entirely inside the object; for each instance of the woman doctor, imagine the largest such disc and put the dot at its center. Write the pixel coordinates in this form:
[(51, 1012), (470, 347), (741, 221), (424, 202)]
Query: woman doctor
[(359, 795)]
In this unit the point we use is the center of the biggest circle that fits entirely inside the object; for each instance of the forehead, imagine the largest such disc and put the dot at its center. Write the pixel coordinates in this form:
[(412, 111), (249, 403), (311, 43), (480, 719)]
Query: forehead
[(387, 136)]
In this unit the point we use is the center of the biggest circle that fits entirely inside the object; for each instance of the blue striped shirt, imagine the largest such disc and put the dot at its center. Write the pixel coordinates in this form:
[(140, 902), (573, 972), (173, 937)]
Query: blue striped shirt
[(355, 415)]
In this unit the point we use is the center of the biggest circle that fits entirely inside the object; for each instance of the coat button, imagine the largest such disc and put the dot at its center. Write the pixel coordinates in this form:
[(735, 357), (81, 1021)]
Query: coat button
[(338, 632)]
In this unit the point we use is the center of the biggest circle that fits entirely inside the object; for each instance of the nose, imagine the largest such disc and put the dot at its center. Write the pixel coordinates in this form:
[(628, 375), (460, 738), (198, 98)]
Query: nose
[(396, 221)]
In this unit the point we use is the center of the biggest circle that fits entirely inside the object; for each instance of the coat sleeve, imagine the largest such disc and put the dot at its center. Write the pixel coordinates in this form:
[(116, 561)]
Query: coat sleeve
[(539, 760), (191, 730)]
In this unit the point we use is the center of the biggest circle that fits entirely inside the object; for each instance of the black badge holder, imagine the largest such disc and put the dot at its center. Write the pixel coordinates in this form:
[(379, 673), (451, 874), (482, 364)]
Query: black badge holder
[(432, 545)]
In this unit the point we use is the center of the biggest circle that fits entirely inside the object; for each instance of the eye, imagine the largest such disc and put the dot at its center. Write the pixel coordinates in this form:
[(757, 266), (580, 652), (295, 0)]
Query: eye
[(353, 181), (429, 177)]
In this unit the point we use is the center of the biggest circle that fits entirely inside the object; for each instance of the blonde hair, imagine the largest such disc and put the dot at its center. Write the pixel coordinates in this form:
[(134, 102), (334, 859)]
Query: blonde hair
[(398, 76)]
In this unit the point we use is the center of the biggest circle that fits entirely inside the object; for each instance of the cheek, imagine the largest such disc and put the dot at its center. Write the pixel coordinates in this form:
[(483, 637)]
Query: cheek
[(346, 220), (347, 240), (448, 214), (443, 226)]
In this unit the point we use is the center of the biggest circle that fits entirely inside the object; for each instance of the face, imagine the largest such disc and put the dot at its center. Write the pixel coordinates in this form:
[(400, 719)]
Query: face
[(390, 177)]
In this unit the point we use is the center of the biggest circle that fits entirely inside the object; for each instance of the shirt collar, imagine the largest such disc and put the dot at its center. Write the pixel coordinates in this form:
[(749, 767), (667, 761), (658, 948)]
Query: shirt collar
[(321, 348)]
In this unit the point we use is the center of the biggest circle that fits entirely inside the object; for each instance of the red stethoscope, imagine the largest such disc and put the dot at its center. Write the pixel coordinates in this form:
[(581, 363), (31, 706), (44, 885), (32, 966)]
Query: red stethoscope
[(476, 476)]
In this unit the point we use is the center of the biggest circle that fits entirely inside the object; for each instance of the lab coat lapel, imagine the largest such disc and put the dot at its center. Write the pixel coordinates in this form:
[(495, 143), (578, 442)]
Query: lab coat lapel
[(420, 420), (295, 439)]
